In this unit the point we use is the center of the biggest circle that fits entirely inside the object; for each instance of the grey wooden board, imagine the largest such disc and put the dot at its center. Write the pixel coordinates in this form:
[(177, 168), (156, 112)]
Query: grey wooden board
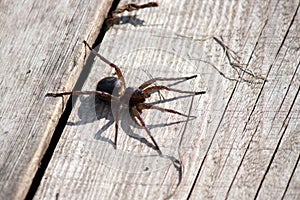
[(244, 142), (41, 50)]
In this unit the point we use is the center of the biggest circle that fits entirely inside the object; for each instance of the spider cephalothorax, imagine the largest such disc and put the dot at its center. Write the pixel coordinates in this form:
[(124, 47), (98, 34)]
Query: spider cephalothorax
[(113, 89)]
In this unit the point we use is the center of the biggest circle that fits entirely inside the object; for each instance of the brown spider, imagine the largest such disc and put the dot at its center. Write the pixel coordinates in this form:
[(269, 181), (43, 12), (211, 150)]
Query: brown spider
[(113, 89)]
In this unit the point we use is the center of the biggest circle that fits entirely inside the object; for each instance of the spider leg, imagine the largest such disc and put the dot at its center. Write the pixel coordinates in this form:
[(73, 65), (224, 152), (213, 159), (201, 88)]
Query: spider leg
[(139, 117), (117, 69), (117, 125), (143, 106), (104, 95), (150, 90), (147, 83)]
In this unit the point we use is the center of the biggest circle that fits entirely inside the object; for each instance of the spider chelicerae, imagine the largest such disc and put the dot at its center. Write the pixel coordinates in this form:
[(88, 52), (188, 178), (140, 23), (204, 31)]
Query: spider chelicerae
[(113, 89)]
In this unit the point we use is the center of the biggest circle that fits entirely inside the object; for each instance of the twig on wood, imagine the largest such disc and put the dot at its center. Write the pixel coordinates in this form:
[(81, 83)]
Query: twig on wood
[(134, 6), (113, 16), (234, 61)]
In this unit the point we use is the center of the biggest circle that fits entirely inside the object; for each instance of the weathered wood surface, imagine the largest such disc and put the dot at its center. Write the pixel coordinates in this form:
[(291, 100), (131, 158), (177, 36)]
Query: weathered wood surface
[(41, 50), (244, 142)]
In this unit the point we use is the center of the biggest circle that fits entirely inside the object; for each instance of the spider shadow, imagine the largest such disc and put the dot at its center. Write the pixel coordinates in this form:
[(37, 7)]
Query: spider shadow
[(92, 109), (130, 19)]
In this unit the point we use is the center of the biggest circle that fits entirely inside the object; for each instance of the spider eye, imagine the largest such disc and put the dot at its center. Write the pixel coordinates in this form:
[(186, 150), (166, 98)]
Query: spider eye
[(142, 94)]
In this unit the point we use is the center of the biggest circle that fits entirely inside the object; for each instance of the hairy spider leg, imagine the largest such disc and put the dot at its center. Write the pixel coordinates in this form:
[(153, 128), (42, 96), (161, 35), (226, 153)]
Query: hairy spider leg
[(162, 87), (143, 106), (105, 95), (135, 109), (117, 69), (147, 83), (117, 124), (139, 117)]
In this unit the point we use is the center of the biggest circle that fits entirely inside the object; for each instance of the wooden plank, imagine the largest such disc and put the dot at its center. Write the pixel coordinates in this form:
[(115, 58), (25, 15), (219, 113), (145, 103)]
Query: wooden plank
[(292, 189), (242, 130), (40, 51), (255, 120), (275, 143)]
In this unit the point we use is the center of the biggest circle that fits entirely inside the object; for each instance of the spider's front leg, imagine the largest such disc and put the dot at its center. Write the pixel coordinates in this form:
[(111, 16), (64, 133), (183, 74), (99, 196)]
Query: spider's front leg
[(150, 90), (153, 80), (140, 119), (143, 106)]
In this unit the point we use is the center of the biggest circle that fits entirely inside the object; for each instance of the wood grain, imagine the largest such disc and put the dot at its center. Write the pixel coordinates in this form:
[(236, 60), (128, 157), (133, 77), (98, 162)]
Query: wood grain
[(244, 141), (40, 51)]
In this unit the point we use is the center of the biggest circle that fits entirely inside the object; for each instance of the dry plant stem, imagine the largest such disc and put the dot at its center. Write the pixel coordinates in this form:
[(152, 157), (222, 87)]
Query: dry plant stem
[(113, 16), (134, 6), (233, 59), (180, 163), (236, 65)]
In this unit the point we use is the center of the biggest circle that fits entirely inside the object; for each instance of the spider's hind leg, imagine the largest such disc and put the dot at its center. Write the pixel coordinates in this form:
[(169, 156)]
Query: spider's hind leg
[(117, 69), (104, 95)]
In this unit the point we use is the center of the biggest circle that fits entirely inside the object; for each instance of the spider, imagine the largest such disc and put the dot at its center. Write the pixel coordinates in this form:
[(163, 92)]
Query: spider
[(113, 89)]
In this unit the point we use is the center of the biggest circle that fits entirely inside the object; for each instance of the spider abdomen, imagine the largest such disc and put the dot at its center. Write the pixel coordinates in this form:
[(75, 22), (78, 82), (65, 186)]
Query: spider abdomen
[(107, 84), (110, 85)]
